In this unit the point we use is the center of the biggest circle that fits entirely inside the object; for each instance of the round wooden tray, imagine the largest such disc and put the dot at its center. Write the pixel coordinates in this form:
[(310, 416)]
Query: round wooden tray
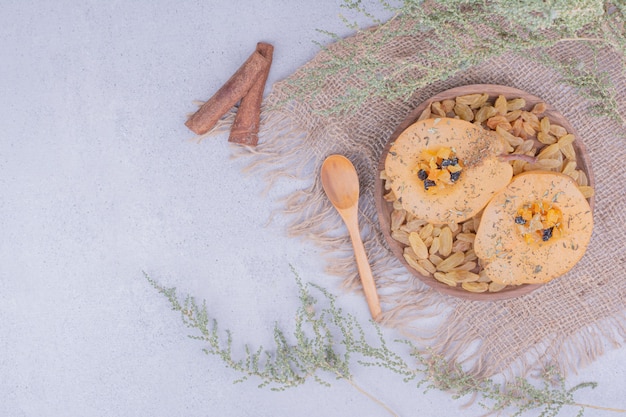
[(385, 208)]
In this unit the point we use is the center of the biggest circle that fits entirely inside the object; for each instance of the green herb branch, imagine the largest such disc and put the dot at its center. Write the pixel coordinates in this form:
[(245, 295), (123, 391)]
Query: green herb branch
[(328, 342), (461, 34)]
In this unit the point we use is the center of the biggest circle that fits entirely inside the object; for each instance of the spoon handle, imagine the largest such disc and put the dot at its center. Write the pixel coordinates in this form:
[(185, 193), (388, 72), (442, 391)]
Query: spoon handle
[(365, 271)]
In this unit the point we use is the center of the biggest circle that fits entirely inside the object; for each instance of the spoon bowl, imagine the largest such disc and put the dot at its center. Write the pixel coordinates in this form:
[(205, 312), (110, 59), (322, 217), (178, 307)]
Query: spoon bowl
[(341, 184)]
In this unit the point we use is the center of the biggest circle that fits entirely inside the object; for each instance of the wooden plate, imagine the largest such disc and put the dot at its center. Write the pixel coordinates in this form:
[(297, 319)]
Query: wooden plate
[(385, 208)]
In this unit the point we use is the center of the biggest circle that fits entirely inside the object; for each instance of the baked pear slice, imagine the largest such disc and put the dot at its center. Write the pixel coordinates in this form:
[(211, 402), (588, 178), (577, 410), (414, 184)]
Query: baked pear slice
[(446, 170), (534, 230)]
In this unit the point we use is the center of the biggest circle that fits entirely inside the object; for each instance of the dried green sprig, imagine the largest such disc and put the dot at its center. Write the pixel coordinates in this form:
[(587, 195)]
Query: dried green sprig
[(317, 353), (327, 342), (462, 33), (549, 395), (591, 82)]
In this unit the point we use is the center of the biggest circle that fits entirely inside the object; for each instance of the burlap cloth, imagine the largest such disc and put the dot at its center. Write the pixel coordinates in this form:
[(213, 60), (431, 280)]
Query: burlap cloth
[(567, 323)]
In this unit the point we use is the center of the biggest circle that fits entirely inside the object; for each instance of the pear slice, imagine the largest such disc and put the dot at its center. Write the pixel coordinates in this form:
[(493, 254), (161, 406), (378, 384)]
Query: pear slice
[(482, 172), (513, 250)]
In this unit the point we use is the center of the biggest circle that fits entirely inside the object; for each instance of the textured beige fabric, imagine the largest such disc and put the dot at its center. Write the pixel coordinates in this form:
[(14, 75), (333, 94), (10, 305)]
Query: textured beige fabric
[(568, 322)]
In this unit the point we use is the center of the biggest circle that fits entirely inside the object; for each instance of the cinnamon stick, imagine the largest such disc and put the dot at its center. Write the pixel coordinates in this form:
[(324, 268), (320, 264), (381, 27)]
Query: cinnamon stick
[(229, 94), (245, 128)]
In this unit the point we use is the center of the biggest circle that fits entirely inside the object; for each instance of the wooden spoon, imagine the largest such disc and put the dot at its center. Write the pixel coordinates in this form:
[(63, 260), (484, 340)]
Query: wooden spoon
[(341, 184)]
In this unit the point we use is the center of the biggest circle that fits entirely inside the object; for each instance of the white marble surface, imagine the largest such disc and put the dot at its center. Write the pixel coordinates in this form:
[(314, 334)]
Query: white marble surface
[(99, 182)]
